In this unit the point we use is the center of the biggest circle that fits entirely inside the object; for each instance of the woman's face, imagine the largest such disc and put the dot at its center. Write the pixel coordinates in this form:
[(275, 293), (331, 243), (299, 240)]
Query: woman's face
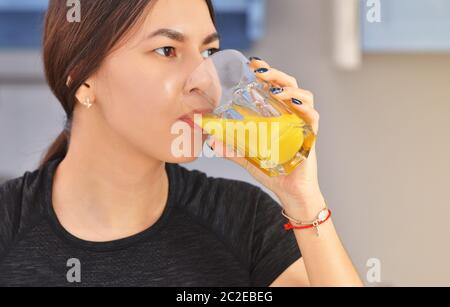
[(141, 88)]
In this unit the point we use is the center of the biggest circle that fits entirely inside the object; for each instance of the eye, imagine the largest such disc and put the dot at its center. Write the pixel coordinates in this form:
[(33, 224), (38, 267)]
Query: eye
[(171, 52), (211, 51), (166, 51)]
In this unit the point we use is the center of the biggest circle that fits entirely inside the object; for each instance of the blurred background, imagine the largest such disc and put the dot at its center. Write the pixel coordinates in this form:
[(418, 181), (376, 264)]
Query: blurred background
[(380, 71)]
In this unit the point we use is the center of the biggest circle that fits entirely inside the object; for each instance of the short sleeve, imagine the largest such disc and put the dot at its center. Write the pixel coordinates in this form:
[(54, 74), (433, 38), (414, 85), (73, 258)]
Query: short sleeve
[(273, 249)]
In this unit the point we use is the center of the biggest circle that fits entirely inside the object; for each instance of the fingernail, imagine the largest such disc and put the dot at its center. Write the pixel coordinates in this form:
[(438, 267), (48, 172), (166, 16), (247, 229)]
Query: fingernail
[(254, 58), (261, 70), (276, 90), (296, 101)]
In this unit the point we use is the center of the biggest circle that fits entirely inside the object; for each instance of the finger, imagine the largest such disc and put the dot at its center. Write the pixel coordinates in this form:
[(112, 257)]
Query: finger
[(276, 77), (256, 63), (285, 79), (287, 93), (308, 114)]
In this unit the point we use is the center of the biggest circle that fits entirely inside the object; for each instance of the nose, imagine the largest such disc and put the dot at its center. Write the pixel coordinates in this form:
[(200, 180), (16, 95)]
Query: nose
[(202, 88)]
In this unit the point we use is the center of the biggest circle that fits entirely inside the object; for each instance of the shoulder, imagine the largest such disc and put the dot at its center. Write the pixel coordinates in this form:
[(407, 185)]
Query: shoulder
[(20, 206)]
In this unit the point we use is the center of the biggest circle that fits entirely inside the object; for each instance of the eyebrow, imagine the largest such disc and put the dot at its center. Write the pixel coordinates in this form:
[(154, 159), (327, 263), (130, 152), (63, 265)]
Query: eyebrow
[(179, 37)]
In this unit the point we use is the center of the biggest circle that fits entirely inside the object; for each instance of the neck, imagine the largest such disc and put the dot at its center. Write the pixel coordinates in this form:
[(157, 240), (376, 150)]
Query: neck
[(103, 190)]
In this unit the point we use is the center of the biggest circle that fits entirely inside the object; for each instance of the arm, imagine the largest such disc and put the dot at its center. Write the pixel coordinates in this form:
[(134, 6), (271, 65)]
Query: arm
[(325, 261)]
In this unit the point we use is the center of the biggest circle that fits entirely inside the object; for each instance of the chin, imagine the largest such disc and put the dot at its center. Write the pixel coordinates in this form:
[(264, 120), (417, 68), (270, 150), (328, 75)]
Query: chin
[(197, 144), (181, 160), (187, 157)]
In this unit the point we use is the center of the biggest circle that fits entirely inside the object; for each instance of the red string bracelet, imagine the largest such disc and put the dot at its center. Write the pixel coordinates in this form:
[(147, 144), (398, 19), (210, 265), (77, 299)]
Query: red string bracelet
[(314, 224)]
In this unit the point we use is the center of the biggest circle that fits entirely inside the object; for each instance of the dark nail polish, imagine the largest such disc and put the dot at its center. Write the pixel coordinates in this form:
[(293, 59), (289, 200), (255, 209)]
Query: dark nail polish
[(254, 58), (296, 101), (261, 70), (276, 90)]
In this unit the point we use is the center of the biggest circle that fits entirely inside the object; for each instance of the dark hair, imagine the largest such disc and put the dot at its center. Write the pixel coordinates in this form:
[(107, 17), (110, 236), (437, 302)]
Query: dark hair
[(78, 49)]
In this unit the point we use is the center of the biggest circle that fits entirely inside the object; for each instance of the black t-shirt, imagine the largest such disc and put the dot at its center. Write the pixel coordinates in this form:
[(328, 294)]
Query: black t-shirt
[(213, 232)]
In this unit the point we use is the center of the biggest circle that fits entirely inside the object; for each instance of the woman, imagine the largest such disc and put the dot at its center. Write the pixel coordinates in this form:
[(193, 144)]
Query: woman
[(110, 205)]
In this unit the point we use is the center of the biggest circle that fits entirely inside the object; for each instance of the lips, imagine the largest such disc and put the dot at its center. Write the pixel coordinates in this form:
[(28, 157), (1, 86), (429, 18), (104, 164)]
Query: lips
[(189, 118)]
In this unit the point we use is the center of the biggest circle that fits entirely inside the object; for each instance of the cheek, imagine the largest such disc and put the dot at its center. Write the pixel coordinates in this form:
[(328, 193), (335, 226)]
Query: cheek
[(140, 103), (144, 90)]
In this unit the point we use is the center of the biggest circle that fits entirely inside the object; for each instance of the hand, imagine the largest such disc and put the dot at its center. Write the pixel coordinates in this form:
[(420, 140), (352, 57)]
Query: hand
[(301, 186)]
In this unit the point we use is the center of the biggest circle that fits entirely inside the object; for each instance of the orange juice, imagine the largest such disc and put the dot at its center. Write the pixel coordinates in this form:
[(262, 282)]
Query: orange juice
[(273, 144)]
